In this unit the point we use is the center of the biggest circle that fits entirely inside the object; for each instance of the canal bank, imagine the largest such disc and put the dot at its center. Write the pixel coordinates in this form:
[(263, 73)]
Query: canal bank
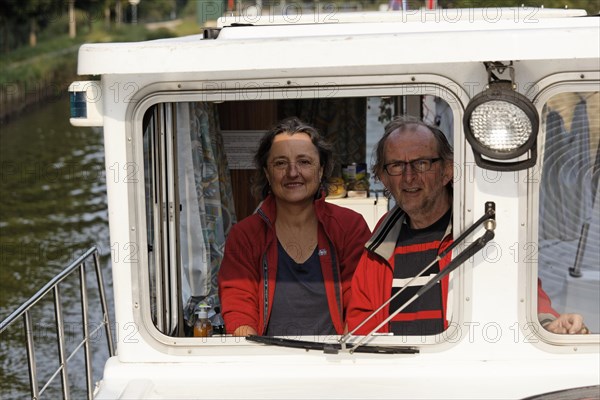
[(30, 76), (32, 81)]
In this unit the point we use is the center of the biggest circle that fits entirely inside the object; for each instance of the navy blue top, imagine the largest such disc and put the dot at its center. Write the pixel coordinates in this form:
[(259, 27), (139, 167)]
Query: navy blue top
[(300, 302), (415, 249)]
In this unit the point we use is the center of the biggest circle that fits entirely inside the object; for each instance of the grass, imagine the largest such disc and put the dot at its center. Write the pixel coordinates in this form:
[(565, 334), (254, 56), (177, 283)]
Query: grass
[(26, 62), (44, 70), (189, 26)]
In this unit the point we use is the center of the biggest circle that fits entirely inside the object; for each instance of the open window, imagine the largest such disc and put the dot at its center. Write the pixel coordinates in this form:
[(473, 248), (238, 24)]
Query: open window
[(198, 171)]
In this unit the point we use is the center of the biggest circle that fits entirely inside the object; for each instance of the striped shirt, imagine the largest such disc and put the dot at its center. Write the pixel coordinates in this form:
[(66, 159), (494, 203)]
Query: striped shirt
[(415, 249)]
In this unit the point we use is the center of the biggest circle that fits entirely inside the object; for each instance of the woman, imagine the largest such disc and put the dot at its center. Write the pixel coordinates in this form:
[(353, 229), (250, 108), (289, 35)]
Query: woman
[(287, 268)]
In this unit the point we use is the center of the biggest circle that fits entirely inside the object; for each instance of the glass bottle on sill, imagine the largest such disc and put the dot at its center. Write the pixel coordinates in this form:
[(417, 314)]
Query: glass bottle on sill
[(202, 326)]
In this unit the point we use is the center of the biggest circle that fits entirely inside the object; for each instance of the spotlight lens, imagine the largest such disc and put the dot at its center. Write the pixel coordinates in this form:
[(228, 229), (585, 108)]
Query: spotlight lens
[(500, 126)]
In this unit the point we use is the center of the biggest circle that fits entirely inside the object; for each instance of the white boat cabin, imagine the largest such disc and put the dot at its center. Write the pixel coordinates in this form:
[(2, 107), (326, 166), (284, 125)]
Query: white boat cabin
[(182, 118)]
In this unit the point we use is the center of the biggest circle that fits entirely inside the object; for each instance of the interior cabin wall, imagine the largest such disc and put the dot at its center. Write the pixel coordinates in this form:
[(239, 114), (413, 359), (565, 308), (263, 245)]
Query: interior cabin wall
[(251, 115), (342, 121)]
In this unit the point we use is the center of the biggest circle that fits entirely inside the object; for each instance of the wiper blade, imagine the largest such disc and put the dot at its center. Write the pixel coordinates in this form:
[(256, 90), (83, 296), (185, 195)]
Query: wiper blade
[(489, 222), (331, 348)]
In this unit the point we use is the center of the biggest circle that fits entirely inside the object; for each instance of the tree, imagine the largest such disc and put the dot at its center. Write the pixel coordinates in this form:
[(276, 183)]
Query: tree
[(93, 9), (22, 20), (72, 21), (9, 34), (38, 13)]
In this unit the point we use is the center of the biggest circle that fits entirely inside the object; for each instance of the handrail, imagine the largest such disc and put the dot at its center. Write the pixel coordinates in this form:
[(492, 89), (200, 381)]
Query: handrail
[(53, 285)]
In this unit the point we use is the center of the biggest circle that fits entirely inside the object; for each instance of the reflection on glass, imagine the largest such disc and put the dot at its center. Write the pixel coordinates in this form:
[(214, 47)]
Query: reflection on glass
[(569, 219)]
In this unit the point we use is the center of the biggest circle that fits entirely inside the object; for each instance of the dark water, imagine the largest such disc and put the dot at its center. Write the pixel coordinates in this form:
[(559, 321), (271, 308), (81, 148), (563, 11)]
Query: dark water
[(52, 209)]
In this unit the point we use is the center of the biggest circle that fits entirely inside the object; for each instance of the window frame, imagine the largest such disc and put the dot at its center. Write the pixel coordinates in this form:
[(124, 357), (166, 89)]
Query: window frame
[(413, 84), (542, 92)]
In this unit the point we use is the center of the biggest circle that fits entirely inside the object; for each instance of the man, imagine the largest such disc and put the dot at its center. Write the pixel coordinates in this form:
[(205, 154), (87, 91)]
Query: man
[(415, 164)]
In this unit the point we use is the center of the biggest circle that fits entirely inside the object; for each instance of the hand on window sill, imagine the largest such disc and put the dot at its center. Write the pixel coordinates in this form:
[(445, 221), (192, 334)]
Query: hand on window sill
[(567, 324)]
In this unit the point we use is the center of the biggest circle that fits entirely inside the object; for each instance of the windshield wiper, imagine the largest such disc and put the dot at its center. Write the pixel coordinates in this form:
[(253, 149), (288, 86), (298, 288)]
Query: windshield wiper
[(331, 348), (488, 220)]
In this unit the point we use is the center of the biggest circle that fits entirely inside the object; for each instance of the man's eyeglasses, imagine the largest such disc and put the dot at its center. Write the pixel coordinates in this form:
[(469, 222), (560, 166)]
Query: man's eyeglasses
[(399, 167), (283, 165)]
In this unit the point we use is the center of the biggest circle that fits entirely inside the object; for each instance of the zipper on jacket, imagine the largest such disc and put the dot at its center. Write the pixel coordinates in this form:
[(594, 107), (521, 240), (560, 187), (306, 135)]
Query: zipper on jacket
[(336, 280), (385, 229), (265, 266)]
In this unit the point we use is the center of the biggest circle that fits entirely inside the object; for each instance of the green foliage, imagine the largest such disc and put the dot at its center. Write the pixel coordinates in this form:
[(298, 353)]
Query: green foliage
[(386, 108), (26, 54), (47, 69), (48, 18), (18, 19), (592, 7), (188, 26), (157, 10), (160, 33)]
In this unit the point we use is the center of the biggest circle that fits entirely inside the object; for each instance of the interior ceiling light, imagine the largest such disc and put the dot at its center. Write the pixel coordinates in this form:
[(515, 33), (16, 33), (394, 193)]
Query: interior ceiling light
[(501, 124)]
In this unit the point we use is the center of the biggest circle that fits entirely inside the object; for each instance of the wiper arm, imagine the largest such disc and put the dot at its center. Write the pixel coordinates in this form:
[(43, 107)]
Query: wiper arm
[(489, 218), (331, 348)]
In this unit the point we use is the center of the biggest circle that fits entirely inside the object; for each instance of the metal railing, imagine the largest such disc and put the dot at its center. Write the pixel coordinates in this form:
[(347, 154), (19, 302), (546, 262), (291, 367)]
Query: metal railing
[(24, 311)]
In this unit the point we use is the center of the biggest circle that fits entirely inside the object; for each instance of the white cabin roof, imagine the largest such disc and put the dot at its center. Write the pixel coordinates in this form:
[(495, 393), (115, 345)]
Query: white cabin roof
[(358, 40)]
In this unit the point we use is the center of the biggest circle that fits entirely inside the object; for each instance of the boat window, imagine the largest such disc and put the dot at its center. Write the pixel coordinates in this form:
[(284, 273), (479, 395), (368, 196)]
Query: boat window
[(161, 218), (198, 170), (569, 212)]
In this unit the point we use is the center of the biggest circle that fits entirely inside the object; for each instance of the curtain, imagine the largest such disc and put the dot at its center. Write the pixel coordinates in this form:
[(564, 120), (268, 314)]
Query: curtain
[(206, 198)]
